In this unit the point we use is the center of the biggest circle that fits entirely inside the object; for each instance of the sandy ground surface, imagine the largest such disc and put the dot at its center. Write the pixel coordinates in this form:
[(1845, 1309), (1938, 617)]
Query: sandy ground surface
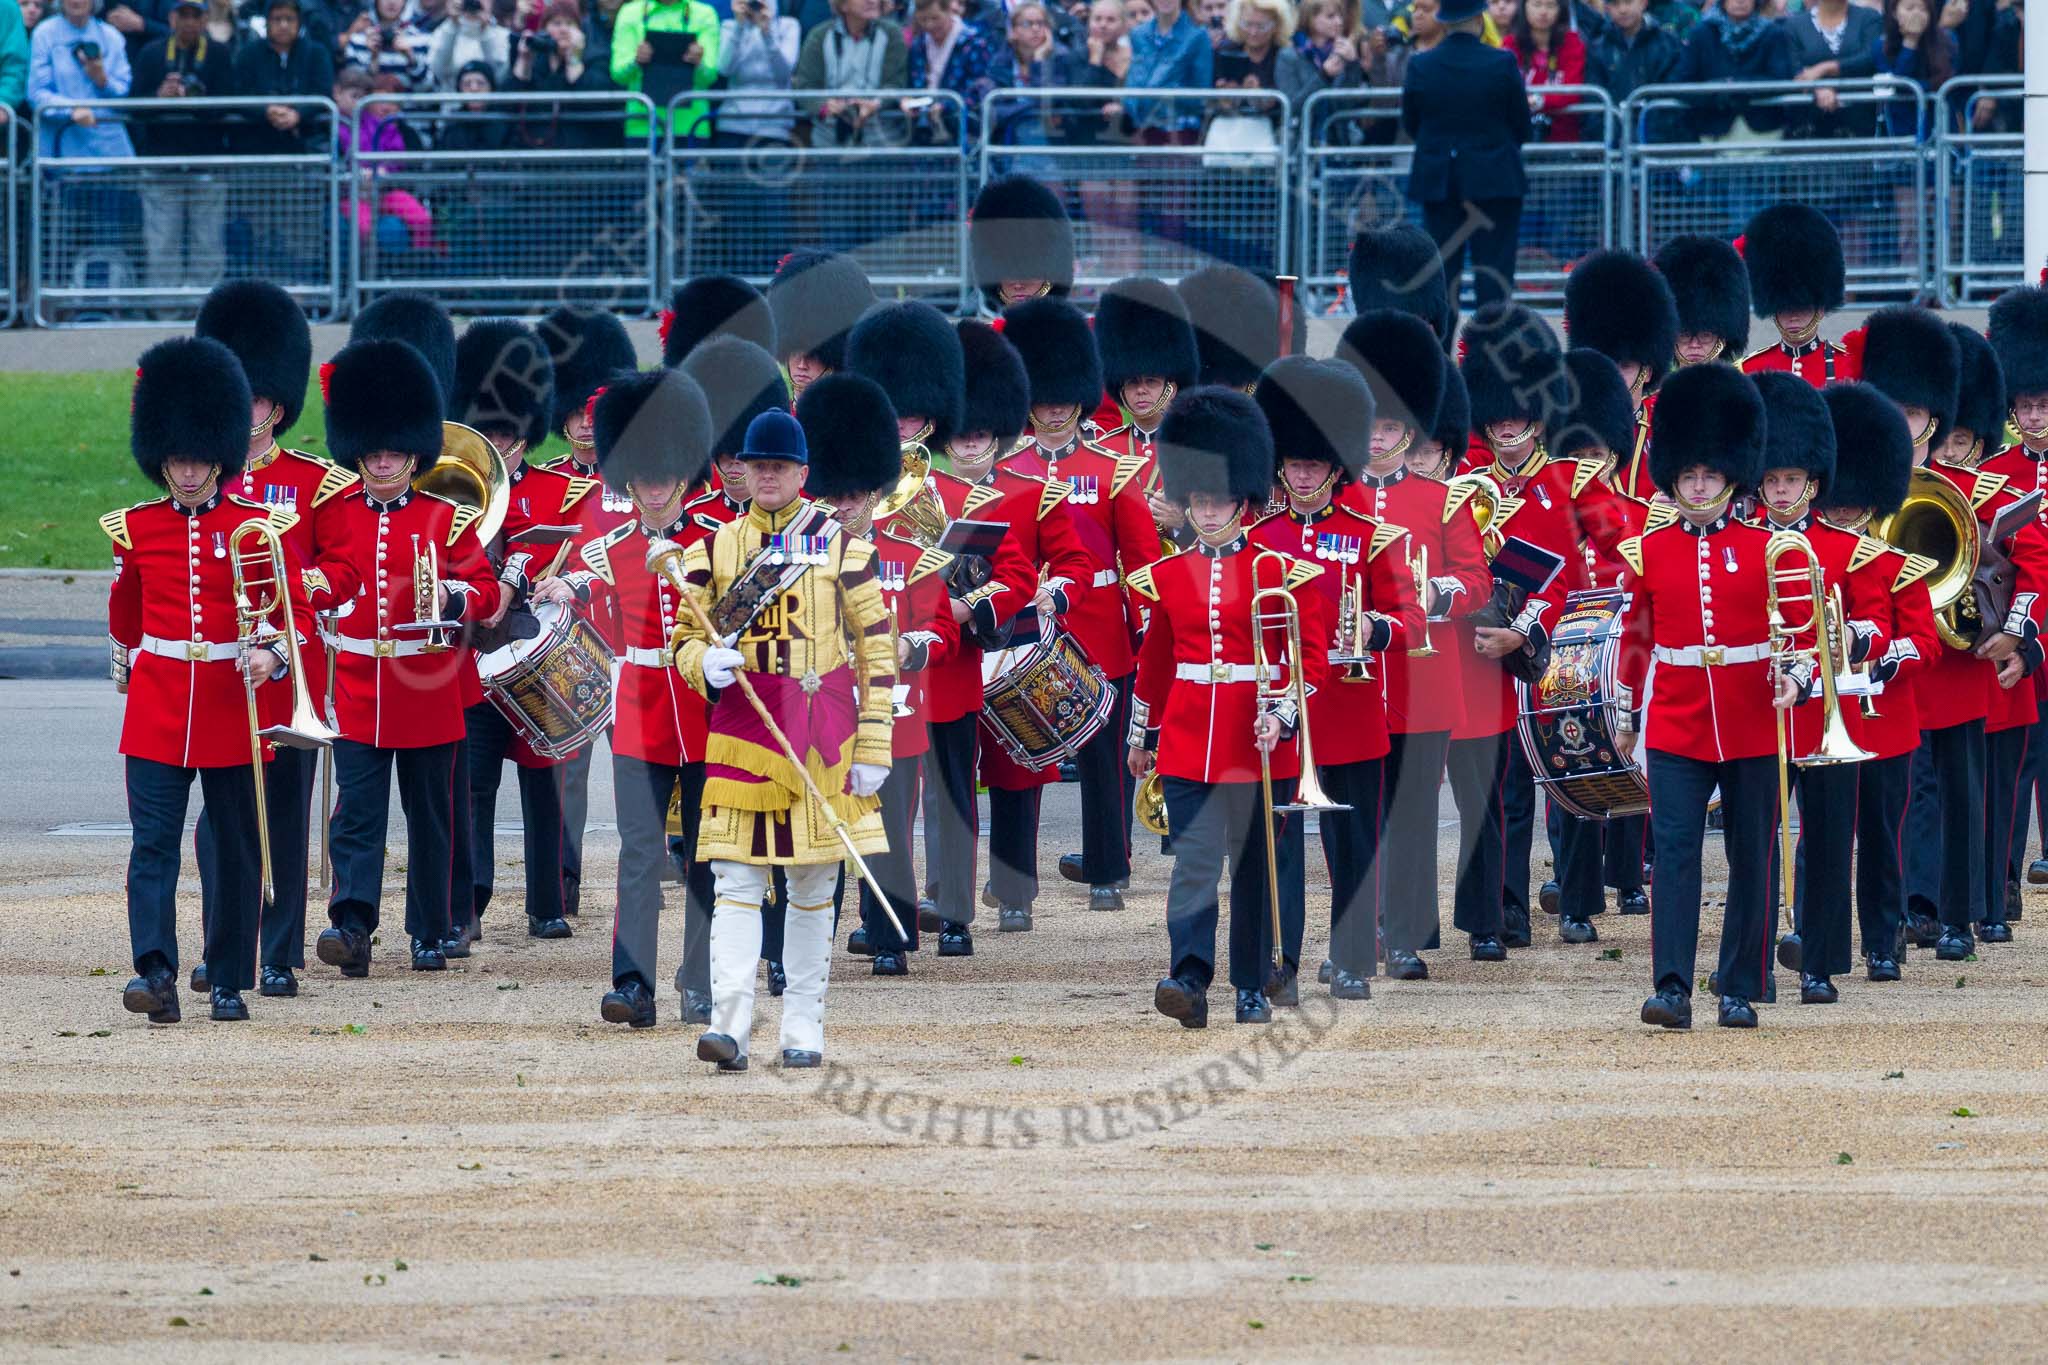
[(1011, 1157)]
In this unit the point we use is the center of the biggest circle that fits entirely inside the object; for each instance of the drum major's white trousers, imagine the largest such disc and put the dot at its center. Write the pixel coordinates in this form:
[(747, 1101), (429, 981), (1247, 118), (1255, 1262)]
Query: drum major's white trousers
[(806, 950)]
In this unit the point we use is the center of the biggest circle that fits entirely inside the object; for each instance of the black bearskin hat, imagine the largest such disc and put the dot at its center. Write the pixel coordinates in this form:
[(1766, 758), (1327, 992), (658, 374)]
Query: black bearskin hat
[(588, 347), (1453, 426), (418, 321), (1513, 367), (382, 395), (1616, 303), (1602, 413), (1981, 404), (1215, 440), (998, 390), (191, 402), (1141, 330), (814, 300), (850, 426), (1399, 357), (1019, 231), (1798, 433), (504, 380), (2019, 336), (267, 331), (1710, 415), (1711, 288), (913, 353), (652, 424), (714, 305), (1909, 355), (1399, 267), (1873, 449), (1058, 350), (1317, 410), (1236, 316), (740, 381), (1794, 258)]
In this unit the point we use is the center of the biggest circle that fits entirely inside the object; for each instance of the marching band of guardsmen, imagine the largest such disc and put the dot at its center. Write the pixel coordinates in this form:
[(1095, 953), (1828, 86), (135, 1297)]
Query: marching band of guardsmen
[(798, 664)]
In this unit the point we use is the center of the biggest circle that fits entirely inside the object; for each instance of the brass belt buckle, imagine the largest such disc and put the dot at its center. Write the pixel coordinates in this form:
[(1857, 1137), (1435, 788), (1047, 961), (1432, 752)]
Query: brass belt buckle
[(384, 649), (198, 651), (1219, 673), (1713, 656)]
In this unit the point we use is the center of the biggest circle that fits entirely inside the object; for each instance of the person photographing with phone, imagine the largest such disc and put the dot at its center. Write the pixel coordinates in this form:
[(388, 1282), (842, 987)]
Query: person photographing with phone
[(663, 48), (77, 56), (471, 33)]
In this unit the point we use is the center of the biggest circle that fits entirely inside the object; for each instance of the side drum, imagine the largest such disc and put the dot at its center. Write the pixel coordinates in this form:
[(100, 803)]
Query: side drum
[(556, 688), (1042, 699)]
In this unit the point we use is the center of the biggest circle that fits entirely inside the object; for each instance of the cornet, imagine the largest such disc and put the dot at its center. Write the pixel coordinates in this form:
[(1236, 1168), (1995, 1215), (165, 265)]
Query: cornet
[(1419, 566), (1351, 654), (1285, 614), (259, 597), (426, 578)]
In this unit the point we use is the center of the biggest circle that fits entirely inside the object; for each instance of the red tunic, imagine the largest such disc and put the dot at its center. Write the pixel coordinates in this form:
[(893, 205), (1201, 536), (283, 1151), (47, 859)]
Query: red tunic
[(1697, 589), (1960, 687), (913, 585), (603, 512), (388, 691), (1819, 363), (1843, 555), (1427, 694), (1910, 643), (1348, 719), (1195, 696), (656, 716), (173, 598), (1116, 532), (953, 687)]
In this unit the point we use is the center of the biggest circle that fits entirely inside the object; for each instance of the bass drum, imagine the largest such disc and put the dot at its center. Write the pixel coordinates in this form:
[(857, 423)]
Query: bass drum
[(1569, 715), (1042, 699), (554, 689)]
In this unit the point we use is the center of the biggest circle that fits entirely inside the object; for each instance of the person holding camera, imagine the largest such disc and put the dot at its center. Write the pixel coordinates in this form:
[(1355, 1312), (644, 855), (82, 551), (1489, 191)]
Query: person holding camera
[(75, 55), (553, 60), (183, 206), (385, 44), (473, 35), (758, 47)]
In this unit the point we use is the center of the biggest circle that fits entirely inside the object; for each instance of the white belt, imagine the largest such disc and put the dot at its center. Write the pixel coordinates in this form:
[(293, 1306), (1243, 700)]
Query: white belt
[(650, 658), (1219, 673), (378, 649), (1104, 578), (1712, 656), (191, 651)]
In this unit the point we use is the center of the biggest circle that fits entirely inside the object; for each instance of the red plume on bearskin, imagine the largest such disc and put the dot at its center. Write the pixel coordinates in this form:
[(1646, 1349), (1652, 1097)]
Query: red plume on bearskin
[(668, 321), (326, 378)]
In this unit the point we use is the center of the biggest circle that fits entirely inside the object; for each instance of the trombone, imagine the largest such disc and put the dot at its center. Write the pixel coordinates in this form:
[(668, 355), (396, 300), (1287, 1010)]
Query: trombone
[(1284, 614), (1801, 586), (259, 596)]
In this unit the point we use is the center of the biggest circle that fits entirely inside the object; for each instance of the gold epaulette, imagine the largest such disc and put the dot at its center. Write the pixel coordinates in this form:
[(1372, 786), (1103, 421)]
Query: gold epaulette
[(929, 563), (335, 480), (1584, 472), (597, 554), (1661, 515), (314, 580), (1456, 495), (1867, 549), (1139, 581), (464, 516), (1051, 495), (1128, 467), (579, 488), (1631, 552), (1383, 535), (1984, 485), (115, 524), (1912, 571), (281, 519), (979, 496), (1505, 508), (1754, 354), (1300, 571)]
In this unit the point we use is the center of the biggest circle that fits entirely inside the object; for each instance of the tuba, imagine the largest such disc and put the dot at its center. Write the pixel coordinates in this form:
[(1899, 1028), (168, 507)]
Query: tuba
[(914, 499), (1483, 502), (471, 473), (1148, 804), (1937, 521)]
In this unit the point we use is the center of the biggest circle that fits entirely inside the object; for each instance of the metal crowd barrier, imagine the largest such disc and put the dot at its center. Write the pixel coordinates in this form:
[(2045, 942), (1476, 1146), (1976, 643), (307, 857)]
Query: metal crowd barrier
[(122, 238), (1845, 162), (1158, 182), (878, 174), (1979, 224), (10, 302), (1353, 175), (505, 202)]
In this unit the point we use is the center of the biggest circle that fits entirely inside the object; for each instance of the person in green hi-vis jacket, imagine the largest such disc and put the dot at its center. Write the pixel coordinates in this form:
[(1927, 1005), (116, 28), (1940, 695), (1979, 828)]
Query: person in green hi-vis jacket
[(634, 59)]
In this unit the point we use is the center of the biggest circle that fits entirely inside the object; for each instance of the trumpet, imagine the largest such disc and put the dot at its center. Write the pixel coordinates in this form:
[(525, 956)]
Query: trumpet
[(426, 580), (1419, 566), (1351, 654), (260, 595), (1284, 613)]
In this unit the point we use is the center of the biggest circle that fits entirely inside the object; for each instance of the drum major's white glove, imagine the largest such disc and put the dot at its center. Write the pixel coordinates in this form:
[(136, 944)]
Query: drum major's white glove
[(721, 664), (867, 778)]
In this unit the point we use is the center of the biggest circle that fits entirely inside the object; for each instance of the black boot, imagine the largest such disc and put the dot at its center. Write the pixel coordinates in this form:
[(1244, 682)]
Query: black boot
[(630, 1003), (1181, 999), (154, 993), (228, 1007)]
